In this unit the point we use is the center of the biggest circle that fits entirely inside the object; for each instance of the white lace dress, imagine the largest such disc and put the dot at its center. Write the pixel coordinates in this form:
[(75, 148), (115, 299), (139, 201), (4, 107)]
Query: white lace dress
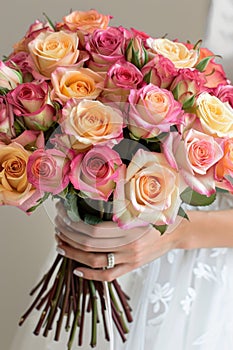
[(182, 301)]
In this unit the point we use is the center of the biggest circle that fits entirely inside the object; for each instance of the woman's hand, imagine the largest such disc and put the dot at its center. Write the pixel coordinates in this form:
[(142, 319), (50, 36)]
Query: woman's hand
[(89, 245)]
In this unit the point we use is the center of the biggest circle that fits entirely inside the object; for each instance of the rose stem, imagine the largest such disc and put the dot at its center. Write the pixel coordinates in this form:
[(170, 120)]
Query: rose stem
[(56, 299), (51, 270), (94, 313), (70, 308), (65, 300), (43, 300), (115, 317), (46, 282), (117, 309), (84, 294), (124, 303), (44, 312), (38, 285), (99, 287), (78, 283), (76, 316), (73, 292)]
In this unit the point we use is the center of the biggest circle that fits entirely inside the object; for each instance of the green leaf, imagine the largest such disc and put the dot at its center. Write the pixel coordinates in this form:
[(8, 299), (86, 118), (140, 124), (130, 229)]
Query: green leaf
[(182, 213), (147, 77), (189, 103), (92, 219), (194, 198), (175, 92), (197, 45), (39, 202), (161, 228), (71, 204), (3, 91), (50, 22), (201, 66)]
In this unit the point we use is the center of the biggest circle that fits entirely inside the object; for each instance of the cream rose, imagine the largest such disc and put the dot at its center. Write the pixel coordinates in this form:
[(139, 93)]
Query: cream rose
[(14, 186), (177, 52), (76, 83), (216, 117), (91, 123), (147, 192), (51, 50)]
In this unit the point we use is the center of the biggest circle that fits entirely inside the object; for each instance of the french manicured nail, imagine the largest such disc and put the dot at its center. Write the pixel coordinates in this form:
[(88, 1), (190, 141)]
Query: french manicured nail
[(67, 221), (58, 232), (60, 251), (78, 273)]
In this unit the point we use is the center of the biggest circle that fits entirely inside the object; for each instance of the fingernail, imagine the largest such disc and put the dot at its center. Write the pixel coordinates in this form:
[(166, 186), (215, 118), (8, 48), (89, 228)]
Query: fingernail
[(60, 251), (78, 273), (66, 220), (58, 232)]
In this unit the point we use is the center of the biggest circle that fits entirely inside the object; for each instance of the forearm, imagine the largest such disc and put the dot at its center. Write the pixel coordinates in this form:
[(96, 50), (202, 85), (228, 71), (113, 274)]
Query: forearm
[(206, 230)]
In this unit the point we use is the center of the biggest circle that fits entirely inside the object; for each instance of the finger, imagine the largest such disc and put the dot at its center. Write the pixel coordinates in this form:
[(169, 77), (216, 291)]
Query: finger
[(107, 275), (92, 259)]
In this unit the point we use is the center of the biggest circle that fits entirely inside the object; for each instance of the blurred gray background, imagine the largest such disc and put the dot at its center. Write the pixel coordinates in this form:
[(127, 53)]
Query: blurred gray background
[(26, 242)]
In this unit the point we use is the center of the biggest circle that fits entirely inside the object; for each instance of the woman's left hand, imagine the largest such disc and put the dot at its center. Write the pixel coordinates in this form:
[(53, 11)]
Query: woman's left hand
[(129, 254)]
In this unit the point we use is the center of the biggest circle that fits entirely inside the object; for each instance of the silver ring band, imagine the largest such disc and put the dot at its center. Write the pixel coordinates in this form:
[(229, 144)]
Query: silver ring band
[(111, 260)]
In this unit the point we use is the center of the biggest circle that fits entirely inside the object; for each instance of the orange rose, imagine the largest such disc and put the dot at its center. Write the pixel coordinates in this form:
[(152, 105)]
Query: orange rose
[(76, 83), (14, 186), (225, 165)]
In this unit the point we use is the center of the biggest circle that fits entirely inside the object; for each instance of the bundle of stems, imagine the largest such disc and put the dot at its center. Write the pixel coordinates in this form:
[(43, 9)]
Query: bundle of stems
[(63, 299)]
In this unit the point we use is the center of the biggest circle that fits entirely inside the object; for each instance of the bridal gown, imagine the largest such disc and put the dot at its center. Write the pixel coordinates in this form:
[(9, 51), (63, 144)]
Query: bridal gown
[(182, 301)]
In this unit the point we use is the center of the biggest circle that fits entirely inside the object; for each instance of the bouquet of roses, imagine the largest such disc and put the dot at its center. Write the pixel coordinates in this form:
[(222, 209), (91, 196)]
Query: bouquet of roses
[(118, 126)]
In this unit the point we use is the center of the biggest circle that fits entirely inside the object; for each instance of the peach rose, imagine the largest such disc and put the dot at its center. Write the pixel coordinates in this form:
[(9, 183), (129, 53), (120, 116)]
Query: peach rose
[(86, 21), (14, 186), (51, 50), (216, 117), (177, 52), (79, 83), (91, 123), (148, 192)]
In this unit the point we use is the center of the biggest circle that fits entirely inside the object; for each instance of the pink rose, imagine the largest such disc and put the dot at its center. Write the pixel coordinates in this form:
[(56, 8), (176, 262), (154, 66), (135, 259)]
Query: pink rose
[(187, 84), (225, 93), (121, 78), (15, 188), (6, 118), (90, 123), (159, 71), (152, 110), (147, 192), (105, 48), (95, 173), (48, 170), (20, 60), (31, 101), (9, 78), (195, 156), (31, 139)]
